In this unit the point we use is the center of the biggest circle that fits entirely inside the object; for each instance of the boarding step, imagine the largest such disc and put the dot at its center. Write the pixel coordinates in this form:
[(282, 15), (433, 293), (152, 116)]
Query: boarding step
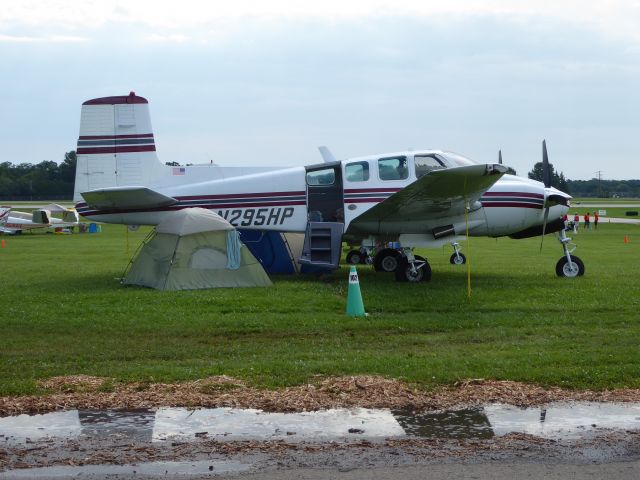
[(322, 244)]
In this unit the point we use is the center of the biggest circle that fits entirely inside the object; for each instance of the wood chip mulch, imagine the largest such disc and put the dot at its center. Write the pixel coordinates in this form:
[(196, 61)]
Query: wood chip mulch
[(94, 393)]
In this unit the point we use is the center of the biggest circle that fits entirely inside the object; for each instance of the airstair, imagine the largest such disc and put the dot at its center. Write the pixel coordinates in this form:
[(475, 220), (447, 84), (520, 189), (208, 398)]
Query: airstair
[(322, 244)]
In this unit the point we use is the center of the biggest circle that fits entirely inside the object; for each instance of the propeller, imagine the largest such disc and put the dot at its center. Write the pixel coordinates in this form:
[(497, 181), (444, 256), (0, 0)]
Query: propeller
[(546, 171), (546, 179), (500, 157)]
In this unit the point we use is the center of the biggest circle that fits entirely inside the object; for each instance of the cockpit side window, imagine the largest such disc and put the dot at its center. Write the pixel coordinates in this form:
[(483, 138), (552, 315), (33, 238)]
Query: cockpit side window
[(427, 163), (394, 168), (357, 172), (326, 176)]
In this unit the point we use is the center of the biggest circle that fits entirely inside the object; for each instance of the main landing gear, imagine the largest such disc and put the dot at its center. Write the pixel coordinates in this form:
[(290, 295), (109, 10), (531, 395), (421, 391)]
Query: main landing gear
[(568, 265), (387, 260), (406, 266), (355, 257), (412, 268)]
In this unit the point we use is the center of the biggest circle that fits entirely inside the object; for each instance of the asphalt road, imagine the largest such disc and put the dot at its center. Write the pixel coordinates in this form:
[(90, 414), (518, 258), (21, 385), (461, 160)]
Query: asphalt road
[(621, 471)]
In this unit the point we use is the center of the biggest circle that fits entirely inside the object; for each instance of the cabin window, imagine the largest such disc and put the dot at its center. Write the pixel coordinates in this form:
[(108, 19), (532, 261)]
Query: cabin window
[(426, 163), (326, 176), (394, 168), (357, 172)]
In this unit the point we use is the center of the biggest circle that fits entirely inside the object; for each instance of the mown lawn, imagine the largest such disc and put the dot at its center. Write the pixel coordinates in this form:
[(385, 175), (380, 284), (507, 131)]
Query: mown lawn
[(64, 312)]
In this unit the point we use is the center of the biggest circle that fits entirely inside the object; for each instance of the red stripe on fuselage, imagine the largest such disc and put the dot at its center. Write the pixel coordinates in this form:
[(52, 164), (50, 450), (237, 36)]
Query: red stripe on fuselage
[(364, 200), (283, 203), (114, 137), (371, 190), (511, 204), (240, 195), (512, 194), (116, 149), (180, 207)]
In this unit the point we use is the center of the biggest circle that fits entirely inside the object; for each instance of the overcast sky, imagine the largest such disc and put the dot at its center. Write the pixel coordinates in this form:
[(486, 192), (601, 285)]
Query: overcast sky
[(266, 82)]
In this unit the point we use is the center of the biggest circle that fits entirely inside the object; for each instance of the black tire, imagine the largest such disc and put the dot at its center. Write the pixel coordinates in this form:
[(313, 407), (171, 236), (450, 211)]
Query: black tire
[(453, 260), (386, 260), (423, 271), (354, 257), (563, 269)]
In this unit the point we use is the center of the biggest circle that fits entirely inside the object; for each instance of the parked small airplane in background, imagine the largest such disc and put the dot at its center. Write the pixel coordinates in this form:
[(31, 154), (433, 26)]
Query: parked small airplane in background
[(387, 204), (13, 222)]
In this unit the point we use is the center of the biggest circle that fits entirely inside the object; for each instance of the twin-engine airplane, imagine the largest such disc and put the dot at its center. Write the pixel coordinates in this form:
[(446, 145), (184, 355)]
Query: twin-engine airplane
[(13, 222), (387, 203)]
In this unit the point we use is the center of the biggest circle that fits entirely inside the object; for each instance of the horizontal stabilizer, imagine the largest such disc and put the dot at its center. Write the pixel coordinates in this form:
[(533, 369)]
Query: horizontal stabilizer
[(126, 198)]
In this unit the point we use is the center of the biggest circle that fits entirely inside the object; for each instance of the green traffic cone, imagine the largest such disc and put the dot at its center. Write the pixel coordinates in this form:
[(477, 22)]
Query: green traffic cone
[(355, 307)]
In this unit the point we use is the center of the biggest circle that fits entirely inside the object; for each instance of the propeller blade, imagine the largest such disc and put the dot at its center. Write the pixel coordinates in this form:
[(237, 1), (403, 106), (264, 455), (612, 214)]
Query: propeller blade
[(546, 170), (544, 225), (546, 179), (500, 157)]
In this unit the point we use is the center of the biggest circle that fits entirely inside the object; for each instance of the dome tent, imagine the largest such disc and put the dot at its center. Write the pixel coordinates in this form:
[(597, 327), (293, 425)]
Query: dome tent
[(191, 249)]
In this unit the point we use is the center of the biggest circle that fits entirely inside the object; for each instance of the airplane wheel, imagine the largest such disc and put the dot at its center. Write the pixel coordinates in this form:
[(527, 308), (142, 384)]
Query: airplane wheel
[(455, 260), (423, 271), (386, 260), (354, 257), (576, 269)]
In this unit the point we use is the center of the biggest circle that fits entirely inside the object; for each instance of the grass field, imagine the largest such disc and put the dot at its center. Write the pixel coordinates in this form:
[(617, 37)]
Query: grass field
[(64, 312)]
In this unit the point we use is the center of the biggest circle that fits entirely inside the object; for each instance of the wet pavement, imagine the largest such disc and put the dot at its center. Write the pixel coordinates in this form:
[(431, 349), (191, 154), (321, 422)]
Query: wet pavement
[(556, 421), (178, 442)]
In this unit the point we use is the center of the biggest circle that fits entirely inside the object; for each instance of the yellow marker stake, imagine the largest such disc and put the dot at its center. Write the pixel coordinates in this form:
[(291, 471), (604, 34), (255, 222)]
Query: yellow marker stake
[(466, 221), (466, 218)]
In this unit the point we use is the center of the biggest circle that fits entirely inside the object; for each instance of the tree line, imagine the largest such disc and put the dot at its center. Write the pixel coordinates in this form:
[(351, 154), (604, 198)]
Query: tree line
[(43, 181), (589, 188), (48, 180)]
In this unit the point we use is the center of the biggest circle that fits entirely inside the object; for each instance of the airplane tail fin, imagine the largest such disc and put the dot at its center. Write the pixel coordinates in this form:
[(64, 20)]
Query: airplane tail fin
[(41, 216), (4, 214), (116, 146), (71, 216)]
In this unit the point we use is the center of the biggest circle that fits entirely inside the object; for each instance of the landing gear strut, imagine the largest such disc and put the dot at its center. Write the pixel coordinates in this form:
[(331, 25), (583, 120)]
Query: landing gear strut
[(412, 268), (458, 257), (568, 265), (361, 256)]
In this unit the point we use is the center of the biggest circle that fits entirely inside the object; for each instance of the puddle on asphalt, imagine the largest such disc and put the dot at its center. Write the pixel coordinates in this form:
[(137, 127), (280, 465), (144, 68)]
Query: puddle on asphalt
[(557, 421), (461, 424)]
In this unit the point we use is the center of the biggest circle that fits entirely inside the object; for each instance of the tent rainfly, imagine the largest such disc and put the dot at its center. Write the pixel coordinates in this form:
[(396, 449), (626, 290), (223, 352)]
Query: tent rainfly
[(191, 249)]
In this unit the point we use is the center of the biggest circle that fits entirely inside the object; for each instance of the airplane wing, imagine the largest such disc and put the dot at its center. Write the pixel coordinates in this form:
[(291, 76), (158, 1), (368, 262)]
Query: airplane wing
[(125, 198), (437, 195)]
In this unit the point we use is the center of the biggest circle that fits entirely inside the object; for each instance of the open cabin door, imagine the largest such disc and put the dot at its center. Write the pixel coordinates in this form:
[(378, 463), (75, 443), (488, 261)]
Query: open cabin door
[(325, 223)]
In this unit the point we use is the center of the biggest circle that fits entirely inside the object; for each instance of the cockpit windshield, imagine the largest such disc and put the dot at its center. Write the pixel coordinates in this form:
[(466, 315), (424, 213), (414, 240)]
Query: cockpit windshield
[(457, 160)]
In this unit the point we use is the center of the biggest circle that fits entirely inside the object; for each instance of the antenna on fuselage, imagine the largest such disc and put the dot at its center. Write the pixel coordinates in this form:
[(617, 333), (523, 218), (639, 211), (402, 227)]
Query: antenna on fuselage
[(327, 156)]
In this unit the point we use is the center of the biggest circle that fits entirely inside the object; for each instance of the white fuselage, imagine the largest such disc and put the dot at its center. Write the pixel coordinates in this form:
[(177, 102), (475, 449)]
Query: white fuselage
[(279, 200)]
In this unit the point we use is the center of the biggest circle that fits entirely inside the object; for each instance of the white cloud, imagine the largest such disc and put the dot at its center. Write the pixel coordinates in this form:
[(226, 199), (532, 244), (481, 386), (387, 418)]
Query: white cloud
[(617, 18), (41, 39), (170, 38)]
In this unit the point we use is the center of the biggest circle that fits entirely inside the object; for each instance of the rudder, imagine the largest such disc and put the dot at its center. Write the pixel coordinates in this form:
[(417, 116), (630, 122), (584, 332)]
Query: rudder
[(116, 145)]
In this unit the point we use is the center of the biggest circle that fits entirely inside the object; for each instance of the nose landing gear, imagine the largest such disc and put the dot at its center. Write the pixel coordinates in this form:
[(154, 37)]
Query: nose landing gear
[(457, 258), (569, 266)]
